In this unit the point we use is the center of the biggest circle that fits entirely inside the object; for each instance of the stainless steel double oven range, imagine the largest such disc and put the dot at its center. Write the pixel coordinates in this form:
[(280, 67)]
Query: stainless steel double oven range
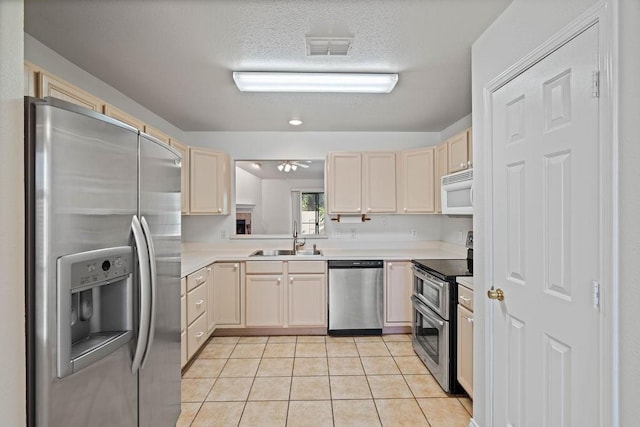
[(435, 295)]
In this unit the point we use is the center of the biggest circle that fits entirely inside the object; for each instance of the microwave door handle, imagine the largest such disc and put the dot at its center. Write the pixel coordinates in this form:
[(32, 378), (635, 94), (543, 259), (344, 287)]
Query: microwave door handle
[(145, 293), (420, 275), (153, 284)]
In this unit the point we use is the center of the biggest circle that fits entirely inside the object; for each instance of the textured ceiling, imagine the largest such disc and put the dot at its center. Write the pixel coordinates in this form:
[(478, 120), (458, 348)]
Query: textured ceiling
[(176, 57)]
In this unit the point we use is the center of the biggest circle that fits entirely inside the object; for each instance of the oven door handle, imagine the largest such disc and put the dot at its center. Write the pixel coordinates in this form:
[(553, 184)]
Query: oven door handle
[(417, 304), (420, 275)]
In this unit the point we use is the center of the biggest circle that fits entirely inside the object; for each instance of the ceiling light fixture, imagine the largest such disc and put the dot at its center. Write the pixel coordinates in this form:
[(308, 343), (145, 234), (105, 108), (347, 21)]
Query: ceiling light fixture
[(291, 165), (314, 82), (295, 122), (256, 165)]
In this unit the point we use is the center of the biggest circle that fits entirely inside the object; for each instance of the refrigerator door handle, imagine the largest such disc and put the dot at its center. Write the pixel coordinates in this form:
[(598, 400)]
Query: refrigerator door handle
[(145, 292), (153, 284)]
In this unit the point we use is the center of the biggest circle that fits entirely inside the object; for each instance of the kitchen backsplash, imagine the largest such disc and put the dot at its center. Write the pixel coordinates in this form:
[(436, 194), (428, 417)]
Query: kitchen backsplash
[(381, 228)]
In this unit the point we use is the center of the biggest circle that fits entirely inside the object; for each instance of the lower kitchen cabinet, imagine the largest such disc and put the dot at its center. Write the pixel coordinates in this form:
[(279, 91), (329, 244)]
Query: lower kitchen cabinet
[(398, 289), (227, 294), (196, 335), (183, 322), (465, 339), (264, 300), (307, 300)]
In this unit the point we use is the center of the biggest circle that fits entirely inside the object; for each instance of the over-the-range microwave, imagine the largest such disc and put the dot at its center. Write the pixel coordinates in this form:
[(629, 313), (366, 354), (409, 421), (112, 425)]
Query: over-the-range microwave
[(457, 193)]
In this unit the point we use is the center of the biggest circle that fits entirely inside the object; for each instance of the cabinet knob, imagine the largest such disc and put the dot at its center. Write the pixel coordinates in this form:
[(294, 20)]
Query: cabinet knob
[(219, 210), (470, 319), (199, 303), (235, 266), (199, 334), (405, 209), (461, 165), (390, 265), (359, 209), (368, 209), (279, 280), (468, 162), (291, 279)]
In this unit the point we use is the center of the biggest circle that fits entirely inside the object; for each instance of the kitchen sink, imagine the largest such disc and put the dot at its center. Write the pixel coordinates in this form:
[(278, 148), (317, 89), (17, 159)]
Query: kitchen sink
[(285, 252)]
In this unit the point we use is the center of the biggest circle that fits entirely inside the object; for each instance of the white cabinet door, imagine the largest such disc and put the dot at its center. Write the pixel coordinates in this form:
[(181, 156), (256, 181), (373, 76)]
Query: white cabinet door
[(344, 182), (417, 181), (184, 174), (307, 300), (442, 169), (399, 284), (459, 152), (116, 113), (465, 349), (264, 300), (226, 294), (211, 306), (379, 182), (49, 85), (209, 182)]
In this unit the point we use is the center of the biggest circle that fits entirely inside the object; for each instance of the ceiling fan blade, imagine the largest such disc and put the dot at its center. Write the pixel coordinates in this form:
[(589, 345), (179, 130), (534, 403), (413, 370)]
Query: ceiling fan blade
[(302, 165)]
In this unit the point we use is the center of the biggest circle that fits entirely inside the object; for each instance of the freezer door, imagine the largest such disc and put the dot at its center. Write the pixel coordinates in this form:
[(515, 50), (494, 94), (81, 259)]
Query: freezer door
[(159, 375), (81, 196)]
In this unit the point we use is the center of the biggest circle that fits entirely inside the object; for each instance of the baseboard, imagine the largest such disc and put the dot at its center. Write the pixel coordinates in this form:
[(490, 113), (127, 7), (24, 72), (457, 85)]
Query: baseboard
[(473, 423)]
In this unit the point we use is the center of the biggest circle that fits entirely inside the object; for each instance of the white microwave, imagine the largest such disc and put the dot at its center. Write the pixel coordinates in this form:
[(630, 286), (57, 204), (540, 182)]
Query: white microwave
[(457, 193)]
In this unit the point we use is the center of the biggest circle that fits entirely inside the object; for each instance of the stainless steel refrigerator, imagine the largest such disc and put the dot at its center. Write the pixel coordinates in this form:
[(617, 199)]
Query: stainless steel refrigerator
[(103, 271)]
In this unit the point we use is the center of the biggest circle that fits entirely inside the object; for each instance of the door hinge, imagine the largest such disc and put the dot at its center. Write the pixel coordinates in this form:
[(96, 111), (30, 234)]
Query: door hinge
[(595, 84), (596, 295)]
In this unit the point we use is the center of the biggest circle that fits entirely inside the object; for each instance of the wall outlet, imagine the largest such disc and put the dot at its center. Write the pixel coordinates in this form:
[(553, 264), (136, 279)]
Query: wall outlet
[(460, 237), (384, 221), (223, 234), (354, 233), (414, 233), (335, 234)]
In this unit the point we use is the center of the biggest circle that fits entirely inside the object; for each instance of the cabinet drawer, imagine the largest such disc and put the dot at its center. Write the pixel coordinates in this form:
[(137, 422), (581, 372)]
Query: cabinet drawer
[(183, 349), (196, 303), (297, 267), (183, 286), (183, 312), (465, 297), (196, 335), (264, 267), (196, 279)]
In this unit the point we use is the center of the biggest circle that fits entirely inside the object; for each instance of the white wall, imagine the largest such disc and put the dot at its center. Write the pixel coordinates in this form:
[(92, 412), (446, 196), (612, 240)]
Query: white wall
[(629, 176), (523, 26), (277, 205), (456, 127), (12, 368)]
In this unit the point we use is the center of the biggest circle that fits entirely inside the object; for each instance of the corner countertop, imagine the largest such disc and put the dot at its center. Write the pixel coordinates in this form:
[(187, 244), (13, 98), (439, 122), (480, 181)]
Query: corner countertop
[(465, 281), (197, 256)]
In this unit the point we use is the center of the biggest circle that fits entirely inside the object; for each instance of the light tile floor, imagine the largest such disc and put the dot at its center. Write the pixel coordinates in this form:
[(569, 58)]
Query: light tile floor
[(315, 381)]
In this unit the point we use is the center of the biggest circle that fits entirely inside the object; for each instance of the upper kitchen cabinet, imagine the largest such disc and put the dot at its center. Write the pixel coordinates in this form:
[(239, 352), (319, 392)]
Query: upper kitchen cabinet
[(344, 183), (184, 173), (157, 134), (379, 182), (49, 85), (209, 182), (416, 181), (30, 79), (442, 169), (460, 151), (361, 182), (111, 111)]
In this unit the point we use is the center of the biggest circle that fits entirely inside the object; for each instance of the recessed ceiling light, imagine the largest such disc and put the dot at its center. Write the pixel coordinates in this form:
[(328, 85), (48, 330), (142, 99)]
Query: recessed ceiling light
[(256, 165), (315, 82), (295, 122)]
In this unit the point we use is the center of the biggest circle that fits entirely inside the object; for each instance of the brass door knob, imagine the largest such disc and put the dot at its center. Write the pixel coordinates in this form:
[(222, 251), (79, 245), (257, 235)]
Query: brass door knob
[(496, 294)]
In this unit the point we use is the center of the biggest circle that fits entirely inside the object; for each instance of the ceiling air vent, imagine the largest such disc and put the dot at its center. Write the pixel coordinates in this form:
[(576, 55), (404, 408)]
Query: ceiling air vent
[(328, 46)]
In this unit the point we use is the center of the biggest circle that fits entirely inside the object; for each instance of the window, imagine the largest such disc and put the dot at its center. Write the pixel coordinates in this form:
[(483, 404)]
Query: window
[(309, 212)]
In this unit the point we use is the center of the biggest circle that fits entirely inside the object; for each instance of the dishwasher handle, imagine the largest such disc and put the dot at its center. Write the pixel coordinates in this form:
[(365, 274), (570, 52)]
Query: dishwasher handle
[(355, 264)]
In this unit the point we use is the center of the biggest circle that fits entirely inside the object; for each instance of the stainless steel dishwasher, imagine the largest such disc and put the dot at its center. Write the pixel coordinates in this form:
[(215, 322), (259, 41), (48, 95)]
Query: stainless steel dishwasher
[(355, 297)]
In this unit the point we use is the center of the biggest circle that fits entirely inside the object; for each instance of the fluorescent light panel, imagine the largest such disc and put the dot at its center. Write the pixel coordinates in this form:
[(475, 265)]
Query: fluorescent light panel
[(314, 82)]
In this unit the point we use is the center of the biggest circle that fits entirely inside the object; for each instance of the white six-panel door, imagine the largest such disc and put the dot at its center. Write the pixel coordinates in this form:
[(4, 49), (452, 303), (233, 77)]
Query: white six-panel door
[(546, 241)]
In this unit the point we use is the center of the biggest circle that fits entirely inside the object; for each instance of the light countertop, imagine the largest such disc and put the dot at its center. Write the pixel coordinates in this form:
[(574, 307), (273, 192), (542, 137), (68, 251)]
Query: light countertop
[(466, 281), (194, 258)]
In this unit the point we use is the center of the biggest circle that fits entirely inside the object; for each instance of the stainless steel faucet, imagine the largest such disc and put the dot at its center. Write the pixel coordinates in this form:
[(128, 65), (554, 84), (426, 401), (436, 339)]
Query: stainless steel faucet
[(296, 244)]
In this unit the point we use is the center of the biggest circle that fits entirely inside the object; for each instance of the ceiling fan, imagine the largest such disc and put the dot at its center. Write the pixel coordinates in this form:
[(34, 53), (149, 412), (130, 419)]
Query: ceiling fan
[(292, 165)]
